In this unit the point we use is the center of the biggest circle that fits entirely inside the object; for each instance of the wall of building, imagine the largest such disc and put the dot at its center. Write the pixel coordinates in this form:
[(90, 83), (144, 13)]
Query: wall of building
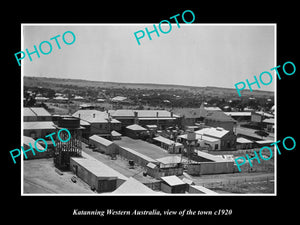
[(135, 156), (83, 173), (173, 189), (210, 168), (162, 172), (111, 149), (103, 184), (165, 188), (37, 133), (39, 155), (228, 142)]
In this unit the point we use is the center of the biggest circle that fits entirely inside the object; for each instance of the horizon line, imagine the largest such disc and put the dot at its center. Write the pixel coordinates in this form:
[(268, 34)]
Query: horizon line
[(158, 84)]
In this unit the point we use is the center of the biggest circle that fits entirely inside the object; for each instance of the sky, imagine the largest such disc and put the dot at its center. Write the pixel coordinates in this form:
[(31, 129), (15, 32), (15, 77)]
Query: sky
[(193, 55)]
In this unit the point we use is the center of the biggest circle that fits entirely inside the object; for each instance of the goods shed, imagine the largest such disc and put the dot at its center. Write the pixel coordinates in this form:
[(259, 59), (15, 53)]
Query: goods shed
[(98, 175), (103, 145)]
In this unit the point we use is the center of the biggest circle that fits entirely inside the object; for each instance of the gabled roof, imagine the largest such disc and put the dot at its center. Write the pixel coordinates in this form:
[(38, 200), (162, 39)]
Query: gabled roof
[(27, 140), (101, 140), (35, 111), (242, 140), (136, 127), (172, 180), (39, 125), (99, 169), (132, 186), (219, 116), (115, 133)]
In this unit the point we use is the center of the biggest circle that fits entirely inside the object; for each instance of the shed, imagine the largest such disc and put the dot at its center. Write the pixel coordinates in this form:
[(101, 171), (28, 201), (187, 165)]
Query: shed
[(98, 175), (116, 135), (103, 145), (135, 131), (29, 142), (172, 184)]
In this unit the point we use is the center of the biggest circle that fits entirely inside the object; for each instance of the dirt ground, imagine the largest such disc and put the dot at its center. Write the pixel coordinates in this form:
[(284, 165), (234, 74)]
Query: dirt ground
[(40, 177)]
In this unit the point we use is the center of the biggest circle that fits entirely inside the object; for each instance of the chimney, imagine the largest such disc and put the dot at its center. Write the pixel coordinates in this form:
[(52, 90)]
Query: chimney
[(156, 114), (94, 115), (79, 115), (172, 114)]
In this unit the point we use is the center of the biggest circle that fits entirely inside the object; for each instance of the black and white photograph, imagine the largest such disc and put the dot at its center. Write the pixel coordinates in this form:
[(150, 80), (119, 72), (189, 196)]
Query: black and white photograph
[(159, 117), (133, 114)]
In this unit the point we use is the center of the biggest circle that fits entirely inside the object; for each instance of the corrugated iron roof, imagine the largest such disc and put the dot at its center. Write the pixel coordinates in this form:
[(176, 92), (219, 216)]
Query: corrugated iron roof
[(172, 180), (218, 132), (132, 186), (136, 127), (38, 125), (101, 140)]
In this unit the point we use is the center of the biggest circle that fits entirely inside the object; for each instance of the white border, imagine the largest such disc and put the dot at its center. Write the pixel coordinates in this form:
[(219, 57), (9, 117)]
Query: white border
[(139, 24)]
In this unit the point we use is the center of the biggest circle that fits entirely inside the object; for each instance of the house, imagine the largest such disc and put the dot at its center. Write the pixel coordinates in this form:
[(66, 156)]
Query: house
[(97, 122), (169, 145), (220, 119), (135, 131), (188, 116), (215, 117), (103, 145), (227, 137), (172, 184)]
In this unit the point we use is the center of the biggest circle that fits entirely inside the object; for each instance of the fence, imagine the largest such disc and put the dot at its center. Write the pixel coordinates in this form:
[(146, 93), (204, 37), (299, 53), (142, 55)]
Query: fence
[(237, 185)]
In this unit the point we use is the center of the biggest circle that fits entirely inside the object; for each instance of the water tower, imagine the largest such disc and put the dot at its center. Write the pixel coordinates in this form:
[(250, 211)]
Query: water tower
[(190, 145), (70, 148)]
